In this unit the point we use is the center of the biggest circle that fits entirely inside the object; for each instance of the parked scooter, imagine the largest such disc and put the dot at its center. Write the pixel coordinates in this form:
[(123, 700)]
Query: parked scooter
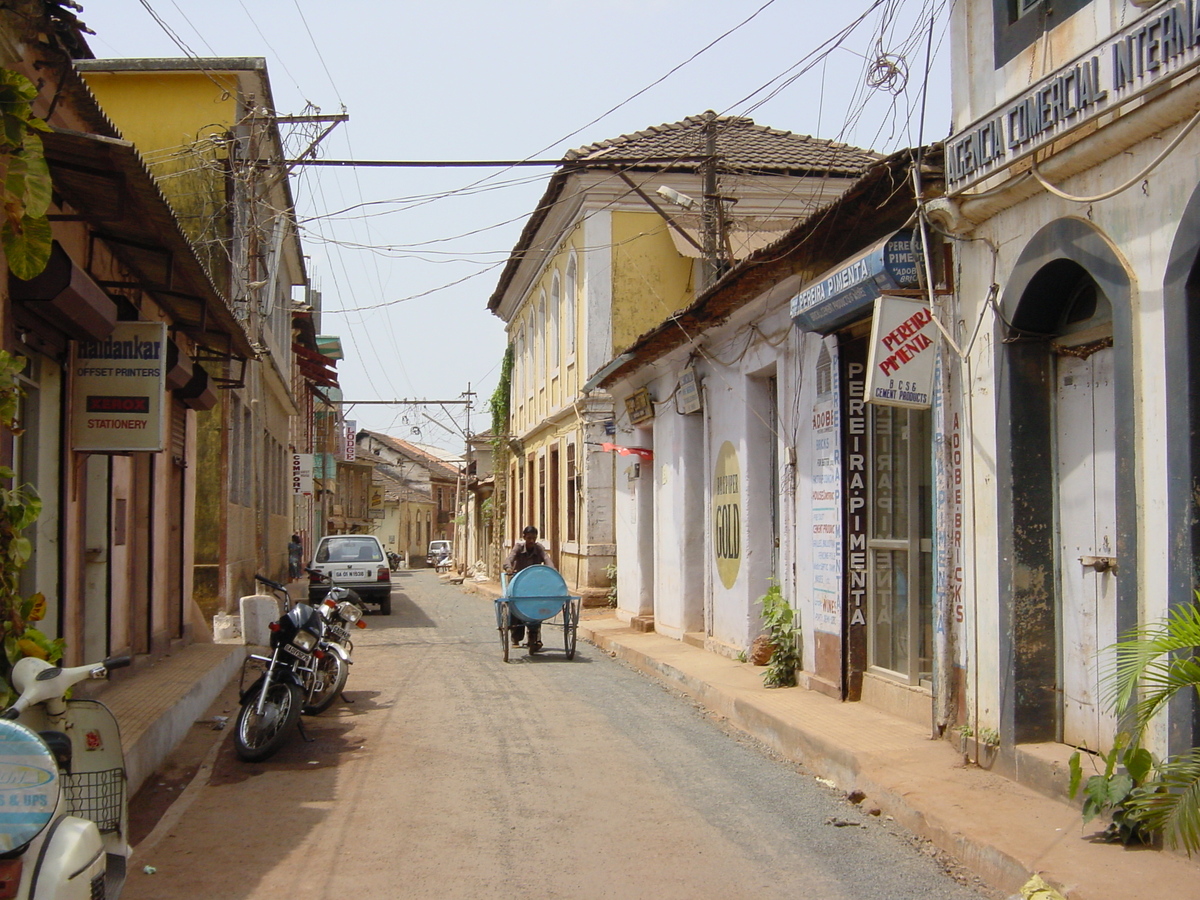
[(291, 681), (394, 560), (64, 818)]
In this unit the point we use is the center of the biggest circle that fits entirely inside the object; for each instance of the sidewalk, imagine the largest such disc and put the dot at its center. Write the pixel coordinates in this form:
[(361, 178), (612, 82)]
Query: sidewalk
[(999, 829), (156, 703)]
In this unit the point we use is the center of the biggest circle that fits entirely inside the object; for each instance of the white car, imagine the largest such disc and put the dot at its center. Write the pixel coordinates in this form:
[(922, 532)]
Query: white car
[(356, 561)]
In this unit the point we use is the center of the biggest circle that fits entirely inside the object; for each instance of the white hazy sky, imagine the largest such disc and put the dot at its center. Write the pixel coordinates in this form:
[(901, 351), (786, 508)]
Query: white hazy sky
[(485, 80)]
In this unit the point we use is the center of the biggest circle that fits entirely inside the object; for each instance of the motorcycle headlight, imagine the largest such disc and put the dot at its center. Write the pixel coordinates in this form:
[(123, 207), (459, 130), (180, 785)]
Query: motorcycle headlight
[(349, 612), (305, 641)]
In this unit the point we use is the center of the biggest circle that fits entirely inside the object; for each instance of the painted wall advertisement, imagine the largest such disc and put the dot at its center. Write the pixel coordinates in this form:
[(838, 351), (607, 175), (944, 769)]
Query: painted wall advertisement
[(727, 514), (902, 354), (826, 505), (118, 388)]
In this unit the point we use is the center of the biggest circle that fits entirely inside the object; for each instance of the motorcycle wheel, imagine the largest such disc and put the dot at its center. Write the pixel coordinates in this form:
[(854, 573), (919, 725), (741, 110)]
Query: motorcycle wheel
[(333, 671), (258, 737)]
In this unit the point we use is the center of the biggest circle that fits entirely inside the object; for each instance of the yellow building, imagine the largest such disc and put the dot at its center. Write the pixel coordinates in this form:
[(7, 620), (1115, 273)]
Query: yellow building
[(626, 233), (208, 131)]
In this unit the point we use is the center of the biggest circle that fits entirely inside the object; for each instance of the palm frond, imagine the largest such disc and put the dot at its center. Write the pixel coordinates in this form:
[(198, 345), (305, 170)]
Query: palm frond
[(1143, 665), (1170, 803)]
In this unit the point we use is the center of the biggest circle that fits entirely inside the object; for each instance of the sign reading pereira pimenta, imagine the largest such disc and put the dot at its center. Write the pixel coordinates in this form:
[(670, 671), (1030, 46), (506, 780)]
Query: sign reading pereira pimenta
[(118, 386)]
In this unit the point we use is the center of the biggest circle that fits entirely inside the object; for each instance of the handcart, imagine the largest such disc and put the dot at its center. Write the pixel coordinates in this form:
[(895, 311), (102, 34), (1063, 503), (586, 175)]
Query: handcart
[(537, 594)]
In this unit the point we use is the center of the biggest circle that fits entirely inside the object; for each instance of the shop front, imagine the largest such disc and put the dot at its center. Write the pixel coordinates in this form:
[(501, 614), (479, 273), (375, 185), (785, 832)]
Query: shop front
[(870, 506)]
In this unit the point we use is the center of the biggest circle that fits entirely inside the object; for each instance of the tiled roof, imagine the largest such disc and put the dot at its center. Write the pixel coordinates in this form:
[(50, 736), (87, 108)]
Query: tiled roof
[(437, 468), (742, 147), (741, 144)]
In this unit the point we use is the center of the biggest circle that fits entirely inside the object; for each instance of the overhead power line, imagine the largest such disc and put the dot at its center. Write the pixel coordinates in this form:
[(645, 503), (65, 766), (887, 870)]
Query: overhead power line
[(599, 162)]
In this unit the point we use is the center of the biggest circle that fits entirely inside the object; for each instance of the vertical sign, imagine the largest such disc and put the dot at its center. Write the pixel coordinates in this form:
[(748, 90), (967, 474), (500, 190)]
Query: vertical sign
[(727, 514), (854, 487), (302, 473), (118, 386), (350, 452), (826, 498)]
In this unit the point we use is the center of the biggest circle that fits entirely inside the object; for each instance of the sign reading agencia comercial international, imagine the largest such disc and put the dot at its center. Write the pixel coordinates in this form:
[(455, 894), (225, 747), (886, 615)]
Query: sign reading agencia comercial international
[(1165, 42)]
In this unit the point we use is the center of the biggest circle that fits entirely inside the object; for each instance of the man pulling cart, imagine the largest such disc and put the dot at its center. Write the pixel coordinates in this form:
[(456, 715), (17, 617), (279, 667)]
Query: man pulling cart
[(534, 593)]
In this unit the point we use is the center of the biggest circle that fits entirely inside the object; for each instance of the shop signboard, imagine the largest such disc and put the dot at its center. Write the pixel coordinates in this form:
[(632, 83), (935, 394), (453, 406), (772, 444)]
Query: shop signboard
[(846, 292), (902, 354), (302, 473), (688, 398), (118, 390), (350, 445), (1161, 45)]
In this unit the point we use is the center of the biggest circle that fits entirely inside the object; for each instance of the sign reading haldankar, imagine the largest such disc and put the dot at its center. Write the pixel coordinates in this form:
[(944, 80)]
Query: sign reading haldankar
[(118, 390)]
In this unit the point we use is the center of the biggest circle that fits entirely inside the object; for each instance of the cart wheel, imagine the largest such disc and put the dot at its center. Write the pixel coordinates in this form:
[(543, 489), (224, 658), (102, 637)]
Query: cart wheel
[(570, 628), (502, 615)]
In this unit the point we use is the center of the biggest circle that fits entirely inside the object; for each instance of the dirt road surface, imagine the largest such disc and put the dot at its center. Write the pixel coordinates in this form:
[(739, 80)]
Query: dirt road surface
[(451, 774)]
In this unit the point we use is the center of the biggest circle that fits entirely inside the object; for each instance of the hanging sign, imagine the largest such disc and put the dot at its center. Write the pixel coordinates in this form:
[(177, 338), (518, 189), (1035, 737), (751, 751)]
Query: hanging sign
[(688, 399), (350, 447), (118, 386), (639, 406), (902, 355), (302, 473)]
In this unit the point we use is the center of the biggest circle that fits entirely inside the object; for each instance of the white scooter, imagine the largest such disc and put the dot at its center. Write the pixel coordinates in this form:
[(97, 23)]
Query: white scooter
[(63, 800)]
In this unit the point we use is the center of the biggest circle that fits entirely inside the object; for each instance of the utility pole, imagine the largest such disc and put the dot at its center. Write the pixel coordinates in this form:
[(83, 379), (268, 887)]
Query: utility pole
[(711, 214)]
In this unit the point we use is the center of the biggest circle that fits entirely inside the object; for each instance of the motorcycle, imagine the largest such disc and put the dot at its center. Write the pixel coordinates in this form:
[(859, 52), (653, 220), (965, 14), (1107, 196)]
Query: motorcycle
[(296, 677), (394, 560), (340, 610), (64, 826)]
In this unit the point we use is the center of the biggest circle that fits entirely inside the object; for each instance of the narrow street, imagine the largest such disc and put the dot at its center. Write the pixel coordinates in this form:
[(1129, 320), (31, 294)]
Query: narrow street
[(452, 774)]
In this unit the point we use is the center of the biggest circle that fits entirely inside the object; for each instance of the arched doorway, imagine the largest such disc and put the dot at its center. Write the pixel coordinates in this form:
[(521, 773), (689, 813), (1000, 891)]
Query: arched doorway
[(1067, 511)]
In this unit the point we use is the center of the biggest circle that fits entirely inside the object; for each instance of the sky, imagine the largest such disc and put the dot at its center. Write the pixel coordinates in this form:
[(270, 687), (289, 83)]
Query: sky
[(406, 258)]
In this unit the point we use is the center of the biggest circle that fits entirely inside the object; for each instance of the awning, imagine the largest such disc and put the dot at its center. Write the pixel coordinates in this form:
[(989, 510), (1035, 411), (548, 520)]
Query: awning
[(847, 291), (105, 181)]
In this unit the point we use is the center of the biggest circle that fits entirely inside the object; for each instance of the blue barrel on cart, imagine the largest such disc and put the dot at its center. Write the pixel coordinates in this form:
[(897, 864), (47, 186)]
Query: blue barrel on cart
[(536, 593)]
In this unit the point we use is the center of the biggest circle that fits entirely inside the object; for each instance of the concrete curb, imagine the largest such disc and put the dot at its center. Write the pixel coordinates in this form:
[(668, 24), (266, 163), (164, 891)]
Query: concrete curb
[(146, 751)]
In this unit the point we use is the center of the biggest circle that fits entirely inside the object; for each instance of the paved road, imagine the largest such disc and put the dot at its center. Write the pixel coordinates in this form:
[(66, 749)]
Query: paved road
[(455, 775)]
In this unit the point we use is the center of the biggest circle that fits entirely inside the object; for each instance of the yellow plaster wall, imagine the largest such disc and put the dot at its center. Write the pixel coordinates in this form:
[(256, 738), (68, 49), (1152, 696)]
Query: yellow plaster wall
[(170, 117), (165, 110), (650, 278)]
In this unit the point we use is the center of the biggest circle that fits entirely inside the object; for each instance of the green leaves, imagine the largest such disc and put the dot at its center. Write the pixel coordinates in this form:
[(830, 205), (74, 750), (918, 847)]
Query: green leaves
[(1144, 796), (25, 231), (780, 621), (20, 507)]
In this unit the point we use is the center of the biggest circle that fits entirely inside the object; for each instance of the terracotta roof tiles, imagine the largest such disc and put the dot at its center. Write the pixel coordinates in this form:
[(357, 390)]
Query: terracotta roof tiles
[(741, 144)]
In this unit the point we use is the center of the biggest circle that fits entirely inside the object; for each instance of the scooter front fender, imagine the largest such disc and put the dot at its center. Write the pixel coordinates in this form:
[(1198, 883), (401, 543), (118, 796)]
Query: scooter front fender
[(70, 865)]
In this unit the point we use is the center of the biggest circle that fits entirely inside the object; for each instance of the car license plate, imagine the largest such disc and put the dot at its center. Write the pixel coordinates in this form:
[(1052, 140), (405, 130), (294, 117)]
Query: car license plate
[(296, 652), (338, 632), (355, 574)]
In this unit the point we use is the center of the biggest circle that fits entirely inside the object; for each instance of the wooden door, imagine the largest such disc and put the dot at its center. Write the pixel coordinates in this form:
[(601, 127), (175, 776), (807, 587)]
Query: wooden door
[(1087, 514)]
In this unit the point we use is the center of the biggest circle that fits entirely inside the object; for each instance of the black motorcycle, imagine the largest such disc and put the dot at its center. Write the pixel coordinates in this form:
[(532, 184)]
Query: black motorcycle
[(292, 678)]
